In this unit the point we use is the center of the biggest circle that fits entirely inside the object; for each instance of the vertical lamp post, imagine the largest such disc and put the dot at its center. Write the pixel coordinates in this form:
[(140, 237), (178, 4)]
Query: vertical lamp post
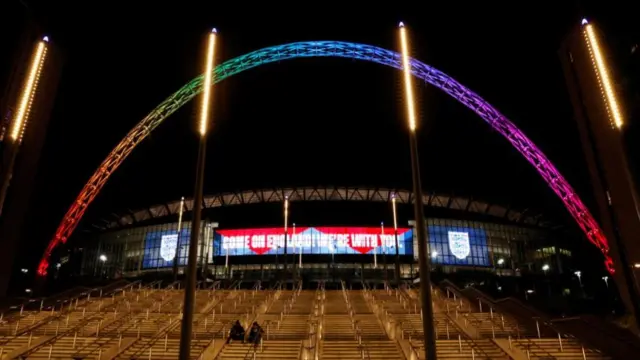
[(425, 271), (615, 113), (299, 250), (21, 118), (375, 252), (286, 230), (383, 245), (226, 260), (208, 242), (177, 255), (395, 233), (190, 279)]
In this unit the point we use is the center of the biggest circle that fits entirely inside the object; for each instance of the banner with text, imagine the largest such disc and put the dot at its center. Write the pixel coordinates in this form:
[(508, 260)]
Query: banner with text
[(313, 240)]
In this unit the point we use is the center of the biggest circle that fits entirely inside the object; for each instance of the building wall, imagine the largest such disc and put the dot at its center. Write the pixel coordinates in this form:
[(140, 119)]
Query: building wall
[(492, 246)]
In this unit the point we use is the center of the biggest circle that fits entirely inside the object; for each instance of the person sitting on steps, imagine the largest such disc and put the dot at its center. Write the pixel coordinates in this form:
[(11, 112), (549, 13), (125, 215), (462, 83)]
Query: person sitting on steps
[(236, 332), (255, 334)]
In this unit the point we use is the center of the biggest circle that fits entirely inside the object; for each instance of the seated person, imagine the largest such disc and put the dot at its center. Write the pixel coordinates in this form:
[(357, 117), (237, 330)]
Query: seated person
[(236, 332), (255, 334)]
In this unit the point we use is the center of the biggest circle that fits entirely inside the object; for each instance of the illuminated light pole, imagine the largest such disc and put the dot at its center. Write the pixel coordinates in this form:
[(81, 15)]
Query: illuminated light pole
[(423, 260), (299, 249), (176, 257), (616, 120), (395, 232), (191, 273), (578, 273), (226, 259), (602, 72), (375, 249), (286, 228), (384, 250), (209, 234), (21, 120), (276, 248)]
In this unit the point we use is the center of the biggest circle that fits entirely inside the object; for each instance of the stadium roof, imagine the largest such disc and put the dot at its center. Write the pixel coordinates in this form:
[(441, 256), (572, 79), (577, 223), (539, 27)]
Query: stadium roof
[(435, 200)]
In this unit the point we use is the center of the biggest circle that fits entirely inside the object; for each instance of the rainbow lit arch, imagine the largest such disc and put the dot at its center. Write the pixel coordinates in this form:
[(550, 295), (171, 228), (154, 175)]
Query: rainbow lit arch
[(498, 122)]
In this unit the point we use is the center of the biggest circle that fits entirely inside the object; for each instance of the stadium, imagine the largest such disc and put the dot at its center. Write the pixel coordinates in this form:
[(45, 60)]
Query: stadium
[(312, 273), (332, 233)]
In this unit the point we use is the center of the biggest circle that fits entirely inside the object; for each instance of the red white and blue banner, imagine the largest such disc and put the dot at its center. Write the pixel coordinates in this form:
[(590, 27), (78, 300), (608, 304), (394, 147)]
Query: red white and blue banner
[(313, 240)]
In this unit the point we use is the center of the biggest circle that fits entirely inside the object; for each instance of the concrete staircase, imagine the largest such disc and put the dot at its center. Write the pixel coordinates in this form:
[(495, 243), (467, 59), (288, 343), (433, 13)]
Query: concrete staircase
[(269, 349), (352, 331), (286, 326), (533, 342), (143, 322), (401, 311)]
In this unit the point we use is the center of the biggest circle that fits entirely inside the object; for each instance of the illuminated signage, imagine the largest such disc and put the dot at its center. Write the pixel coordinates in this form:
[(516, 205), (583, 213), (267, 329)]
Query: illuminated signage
[(168, 246), (459, 244), (312, 240)]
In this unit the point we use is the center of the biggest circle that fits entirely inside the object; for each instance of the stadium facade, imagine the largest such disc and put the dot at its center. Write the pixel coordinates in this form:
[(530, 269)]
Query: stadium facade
[(463, 234)]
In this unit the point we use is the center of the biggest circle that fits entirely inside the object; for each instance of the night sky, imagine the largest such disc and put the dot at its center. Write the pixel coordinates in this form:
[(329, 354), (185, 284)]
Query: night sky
[(312, 121)]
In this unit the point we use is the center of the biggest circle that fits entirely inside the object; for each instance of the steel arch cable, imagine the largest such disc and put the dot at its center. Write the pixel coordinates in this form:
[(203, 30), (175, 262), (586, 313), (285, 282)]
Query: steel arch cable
[(364, 52)]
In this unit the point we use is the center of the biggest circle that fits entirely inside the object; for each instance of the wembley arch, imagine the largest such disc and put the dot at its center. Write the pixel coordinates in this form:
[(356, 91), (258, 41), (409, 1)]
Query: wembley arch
[(339, 49)]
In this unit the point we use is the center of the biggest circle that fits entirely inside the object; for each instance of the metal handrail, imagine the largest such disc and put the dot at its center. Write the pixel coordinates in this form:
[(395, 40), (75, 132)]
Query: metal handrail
[(221, 330), (59, 314), (157, 336), (54, 338), (125, 325), (475, 348), (257, 285), (76, 298), (493, 322)]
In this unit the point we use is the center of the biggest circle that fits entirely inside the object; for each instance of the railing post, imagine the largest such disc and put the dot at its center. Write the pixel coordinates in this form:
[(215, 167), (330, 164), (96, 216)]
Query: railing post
[(459, 342), (560, 342), (480, 304), (584, 355), (509, 342), (538, 328)]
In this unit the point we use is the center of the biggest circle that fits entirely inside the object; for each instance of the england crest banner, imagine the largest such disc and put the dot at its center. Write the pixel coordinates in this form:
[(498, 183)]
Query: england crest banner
[(459, 244), (168, 246)]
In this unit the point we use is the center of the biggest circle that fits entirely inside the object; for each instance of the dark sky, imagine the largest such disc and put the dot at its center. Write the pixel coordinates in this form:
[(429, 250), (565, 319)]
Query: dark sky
[(307, 122)]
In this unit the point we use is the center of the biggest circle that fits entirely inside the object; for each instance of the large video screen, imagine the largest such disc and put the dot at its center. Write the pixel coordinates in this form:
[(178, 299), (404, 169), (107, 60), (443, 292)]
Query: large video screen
[(160, 248), (313, 240), (458, 245)]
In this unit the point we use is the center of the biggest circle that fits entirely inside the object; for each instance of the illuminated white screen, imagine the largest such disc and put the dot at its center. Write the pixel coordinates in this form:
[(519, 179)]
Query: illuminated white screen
[(168, 246), (459, 244)]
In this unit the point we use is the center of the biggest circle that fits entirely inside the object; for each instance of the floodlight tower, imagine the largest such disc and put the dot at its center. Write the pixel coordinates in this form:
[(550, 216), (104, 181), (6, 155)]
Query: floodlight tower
[(20, 121), (600, 119), (421, 230), (192, 268)]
